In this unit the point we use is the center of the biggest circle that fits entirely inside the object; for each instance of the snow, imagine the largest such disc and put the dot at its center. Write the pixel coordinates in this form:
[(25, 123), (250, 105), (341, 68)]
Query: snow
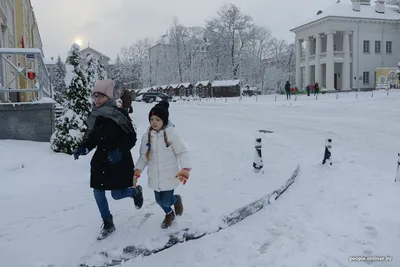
[(345, 10), (144, 90), (69, 74), (202, 83), (173, 86), (185, 85), (45, 100), (329, 213), (21, 50), (49, 61), (223, 83)]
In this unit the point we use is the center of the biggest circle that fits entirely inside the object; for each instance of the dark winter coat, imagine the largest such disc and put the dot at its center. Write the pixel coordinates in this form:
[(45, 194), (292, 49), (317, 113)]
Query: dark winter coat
[(107, 136), (287, 87), (126, 99), (316, 88)]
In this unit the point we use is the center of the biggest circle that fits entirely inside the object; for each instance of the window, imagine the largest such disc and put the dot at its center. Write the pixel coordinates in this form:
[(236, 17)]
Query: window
[(366, 46), (388, 47), (366, 77), (377, 47)]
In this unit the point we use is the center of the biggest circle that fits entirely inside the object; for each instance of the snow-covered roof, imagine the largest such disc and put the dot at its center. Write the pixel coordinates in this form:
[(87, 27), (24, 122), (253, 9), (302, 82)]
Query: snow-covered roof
[(49, 61), (163, 87), (144, 90), (202, 83), (173, 85), (91, 50), (346, 11), (250, 89), (223, 83), (185, 85), (155, 87)]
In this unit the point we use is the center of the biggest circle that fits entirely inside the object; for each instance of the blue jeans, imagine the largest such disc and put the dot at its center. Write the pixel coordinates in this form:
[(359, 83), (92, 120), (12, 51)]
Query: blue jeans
[(166, 199), (101, 199)]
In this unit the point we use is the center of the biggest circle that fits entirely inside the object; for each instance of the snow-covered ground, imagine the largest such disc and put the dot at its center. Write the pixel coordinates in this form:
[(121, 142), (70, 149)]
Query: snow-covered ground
[(352, 208)]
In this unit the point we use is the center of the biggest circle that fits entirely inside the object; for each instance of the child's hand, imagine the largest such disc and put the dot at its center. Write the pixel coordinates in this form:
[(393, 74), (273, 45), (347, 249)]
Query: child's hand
[(136, 176), (183, 175)]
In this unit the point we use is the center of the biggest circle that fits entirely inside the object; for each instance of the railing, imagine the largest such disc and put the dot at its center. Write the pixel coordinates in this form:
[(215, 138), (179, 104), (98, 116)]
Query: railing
[(34, 71), (339, 54)]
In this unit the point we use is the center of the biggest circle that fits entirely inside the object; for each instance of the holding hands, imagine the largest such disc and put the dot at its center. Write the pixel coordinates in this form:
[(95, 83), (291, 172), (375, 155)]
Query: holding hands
[(136, 176)]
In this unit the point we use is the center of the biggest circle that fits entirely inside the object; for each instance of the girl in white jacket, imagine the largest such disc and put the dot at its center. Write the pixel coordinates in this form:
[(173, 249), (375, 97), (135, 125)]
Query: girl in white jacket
[(167, 161)]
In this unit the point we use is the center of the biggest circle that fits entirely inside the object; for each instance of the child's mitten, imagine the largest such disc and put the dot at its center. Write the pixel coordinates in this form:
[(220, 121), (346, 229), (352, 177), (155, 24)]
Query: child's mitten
[(183, 175)]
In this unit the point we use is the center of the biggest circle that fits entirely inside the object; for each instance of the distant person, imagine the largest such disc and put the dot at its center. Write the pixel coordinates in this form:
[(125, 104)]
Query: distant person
[(308, 89), (167, 160), (316, 88), (287, 90), (126, 100), (111, 132)]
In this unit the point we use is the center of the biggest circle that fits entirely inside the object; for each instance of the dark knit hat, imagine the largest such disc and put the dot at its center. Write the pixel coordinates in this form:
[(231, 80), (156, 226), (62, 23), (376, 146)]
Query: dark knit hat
[(161, 111)]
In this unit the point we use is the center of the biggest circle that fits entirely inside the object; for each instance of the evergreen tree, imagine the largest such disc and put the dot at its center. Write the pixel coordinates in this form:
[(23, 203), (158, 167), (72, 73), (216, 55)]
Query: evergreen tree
[(118, 73), (77, 94), (70, 127), (91, 69), (58, 82), (101, 72)]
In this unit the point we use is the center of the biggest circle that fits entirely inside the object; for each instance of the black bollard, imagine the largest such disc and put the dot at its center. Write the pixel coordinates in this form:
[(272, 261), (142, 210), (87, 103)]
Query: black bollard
[(258, 162), (397, 178), (328, 154)]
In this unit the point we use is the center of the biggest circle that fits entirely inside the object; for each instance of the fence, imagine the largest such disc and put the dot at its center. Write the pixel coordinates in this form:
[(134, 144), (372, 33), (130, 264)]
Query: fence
[(20, 66)]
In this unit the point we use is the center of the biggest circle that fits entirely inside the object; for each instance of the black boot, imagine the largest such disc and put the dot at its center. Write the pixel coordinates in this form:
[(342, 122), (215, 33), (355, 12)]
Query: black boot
[(108, 228), (138, 198)]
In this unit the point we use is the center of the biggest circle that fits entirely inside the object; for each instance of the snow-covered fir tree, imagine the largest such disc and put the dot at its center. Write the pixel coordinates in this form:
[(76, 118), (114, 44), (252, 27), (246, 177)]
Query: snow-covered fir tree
[(78, 93), (70, 127), (118, 72), (91, 69), (101, 71), (59, 85)]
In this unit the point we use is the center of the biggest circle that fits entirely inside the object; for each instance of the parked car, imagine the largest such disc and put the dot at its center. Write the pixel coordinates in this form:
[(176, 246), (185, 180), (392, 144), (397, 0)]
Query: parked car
[(152, 96)]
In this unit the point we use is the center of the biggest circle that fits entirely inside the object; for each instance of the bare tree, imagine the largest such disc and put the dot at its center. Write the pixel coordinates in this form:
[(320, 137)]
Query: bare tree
[(230, 46), (229, 33)]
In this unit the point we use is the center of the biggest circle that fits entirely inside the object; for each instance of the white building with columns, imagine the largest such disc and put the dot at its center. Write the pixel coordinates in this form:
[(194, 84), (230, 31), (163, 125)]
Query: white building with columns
[(341, 46)]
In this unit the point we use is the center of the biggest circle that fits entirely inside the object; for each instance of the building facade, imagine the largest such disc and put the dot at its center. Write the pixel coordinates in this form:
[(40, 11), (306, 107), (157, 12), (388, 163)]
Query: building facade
[(27, 35), (7, 40), (341, 47), (108, 65), (50, 62)]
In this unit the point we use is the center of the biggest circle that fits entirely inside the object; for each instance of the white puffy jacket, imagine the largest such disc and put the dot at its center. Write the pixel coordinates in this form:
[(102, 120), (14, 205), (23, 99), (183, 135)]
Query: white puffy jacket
[(164, 161)]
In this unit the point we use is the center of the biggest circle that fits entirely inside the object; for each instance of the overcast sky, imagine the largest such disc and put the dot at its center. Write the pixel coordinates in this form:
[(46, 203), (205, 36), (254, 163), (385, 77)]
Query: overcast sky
[(111, 24)]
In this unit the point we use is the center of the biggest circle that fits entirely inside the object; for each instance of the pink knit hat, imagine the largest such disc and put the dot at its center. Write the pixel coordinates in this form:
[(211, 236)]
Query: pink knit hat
[(106, 87)]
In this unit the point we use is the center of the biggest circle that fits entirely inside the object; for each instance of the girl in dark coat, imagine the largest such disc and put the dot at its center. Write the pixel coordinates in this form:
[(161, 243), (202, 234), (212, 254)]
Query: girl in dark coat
[(110, 129)]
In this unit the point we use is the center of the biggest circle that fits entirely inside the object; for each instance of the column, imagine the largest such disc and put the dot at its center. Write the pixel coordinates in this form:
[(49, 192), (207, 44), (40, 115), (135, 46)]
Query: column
[(330, 62), (346, 63), (307, 62), (3, 96), (355, 47), (298, 69), (318, 72)]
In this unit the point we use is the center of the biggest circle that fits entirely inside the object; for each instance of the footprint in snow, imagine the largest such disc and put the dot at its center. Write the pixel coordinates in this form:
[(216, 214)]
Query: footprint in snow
[(371, 231)]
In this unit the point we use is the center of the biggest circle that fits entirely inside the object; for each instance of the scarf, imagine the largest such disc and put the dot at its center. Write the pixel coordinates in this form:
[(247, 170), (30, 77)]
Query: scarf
[(109, 110)]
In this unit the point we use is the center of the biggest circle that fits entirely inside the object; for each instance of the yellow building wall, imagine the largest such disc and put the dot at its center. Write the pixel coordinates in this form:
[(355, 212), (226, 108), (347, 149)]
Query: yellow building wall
[(26, 27)]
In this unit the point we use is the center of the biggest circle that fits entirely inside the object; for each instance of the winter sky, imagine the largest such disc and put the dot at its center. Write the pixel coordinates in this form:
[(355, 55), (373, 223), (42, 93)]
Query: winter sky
[(110, 24)]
